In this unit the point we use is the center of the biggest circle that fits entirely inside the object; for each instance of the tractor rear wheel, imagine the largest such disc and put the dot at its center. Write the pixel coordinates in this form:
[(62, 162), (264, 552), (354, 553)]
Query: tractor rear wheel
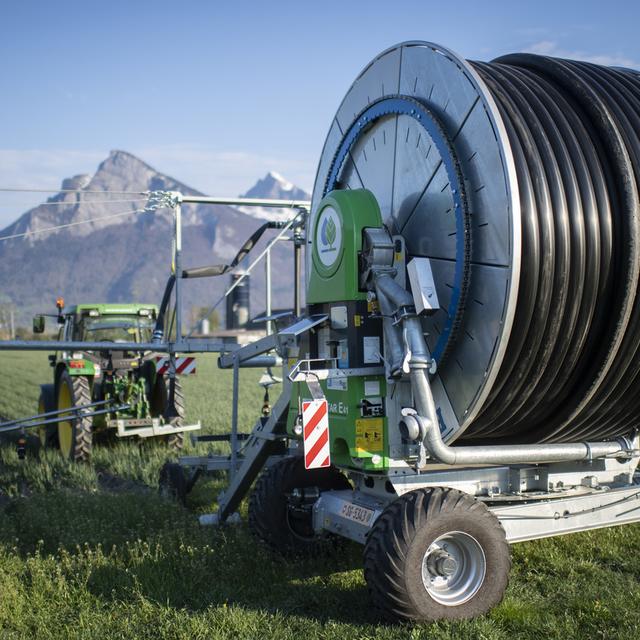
[(436, 554), (160, 407), (75, 435), (47, 433), (282, 525)]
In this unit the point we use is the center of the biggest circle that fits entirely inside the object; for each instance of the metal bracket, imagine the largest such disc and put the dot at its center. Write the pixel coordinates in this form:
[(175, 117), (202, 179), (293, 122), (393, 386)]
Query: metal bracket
[(149, 428), (309, 377), (312, 377), (162, 199)]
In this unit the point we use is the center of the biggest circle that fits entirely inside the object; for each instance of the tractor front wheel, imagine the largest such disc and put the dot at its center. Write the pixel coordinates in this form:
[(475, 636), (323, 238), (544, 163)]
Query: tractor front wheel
[(75, 435)]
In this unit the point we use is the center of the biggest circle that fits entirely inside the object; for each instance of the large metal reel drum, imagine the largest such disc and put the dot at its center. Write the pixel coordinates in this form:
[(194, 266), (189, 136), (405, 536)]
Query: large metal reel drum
[(420, 129), (519, 179)]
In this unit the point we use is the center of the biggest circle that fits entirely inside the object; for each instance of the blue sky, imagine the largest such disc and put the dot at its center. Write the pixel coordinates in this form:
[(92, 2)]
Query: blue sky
[(218, 93)]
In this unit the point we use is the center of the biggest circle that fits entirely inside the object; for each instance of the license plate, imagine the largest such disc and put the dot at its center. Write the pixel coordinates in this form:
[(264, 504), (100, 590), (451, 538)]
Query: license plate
[(358, 514)]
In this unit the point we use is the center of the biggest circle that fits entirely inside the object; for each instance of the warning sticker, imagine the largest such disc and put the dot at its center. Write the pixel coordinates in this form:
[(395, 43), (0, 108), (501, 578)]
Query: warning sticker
[(369, 434), (371, 349), (338, 384)]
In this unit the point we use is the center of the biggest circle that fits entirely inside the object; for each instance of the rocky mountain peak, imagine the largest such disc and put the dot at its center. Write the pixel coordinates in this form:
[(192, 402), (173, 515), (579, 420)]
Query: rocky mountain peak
[(123, 177), (273, 187), (116, 255), (76, 182)]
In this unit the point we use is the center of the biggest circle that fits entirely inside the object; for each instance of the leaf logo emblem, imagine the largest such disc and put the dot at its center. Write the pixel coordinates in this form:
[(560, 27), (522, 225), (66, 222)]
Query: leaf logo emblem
[(330, 232)]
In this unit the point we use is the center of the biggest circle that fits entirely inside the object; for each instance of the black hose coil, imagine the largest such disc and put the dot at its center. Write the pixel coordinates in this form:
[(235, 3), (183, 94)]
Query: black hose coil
[(572, 367)]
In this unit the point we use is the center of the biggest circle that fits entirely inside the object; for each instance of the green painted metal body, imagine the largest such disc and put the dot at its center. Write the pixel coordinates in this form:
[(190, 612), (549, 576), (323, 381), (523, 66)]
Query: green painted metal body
[(356, 209), (133, 391), (82, 366), (358, 433), (357, 442)]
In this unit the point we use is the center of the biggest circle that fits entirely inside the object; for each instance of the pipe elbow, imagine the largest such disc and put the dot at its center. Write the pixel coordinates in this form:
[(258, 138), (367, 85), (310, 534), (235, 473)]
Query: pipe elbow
[(397, 294), (434, 444)]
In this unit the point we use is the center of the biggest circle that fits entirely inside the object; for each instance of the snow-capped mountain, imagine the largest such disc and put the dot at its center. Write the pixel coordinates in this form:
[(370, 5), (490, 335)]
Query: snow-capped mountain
[(105, 198), (127, 257), (273, 187)]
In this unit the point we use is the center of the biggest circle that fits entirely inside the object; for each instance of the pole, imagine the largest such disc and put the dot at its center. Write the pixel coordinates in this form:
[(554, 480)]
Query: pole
[(267, 269), (297, 252), (234, 418), (177, 264)]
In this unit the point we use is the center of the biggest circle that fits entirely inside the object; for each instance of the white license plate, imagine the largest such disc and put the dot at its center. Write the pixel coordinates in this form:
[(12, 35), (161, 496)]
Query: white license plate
[(358, 514)]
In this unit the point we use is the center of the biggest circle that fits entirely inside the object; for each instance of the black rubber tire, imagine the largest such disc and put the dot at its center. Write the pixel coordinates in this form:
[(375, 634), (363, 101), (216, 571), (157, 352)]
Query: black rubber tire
[(160, 406), (33, 446), (47, 433), (172, 482), (398, 542), (270, 519), (82, 428)]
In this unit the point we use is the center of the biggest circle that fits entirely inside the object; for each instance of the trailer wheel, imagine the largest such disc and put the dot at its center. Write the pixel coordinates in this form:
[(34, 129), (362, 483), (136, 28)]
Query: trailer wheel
[(160, 407), (436, 554), (75, 435), (47, 433), (272, 519)]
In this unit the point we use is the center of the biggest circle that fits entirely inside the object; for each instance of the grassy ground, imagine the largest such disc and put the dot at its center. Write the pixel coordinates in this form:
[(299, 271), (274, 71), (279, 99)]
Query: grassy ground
[(91, 551)]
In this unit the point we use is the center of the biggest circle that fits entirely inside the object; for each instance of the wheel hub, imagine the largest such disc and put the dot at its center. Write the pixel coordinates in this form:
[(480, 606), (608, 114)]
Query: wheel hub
[(441, 564), (453, 568)]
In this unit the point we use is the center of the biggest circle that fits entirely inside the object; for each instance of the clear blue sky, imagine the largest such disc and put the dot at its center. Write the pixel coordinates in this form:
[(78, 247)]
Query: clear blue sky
[(217, 93)]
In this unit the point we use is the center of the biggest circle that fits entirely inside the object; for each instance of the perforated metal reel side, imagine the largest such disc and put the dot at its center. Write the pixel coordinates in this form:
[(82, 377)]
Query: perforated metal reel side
[(376, 142)]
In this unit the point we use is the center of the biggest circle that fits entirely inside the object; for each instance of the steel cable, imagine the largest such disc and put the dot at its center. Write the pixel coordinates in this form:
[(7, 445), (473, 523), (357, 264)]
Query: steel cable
[(74, 224)]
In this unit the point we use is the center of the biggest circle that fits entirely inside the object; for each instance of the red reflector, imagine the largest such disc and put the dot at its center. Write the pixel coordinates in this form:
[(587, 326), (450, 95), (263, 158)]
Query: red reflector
[(76, 364)]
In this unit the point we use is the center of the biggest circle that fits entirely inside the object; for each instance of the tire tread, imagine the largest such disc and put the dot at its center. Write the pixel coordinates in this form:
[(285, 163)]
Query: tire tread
[(388, 544)]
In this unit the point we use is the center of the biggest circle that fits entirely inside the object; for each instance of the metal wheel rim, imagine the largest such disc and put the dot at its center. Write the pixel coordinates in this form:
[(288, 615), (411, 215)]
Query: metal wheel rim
[(468, 575)]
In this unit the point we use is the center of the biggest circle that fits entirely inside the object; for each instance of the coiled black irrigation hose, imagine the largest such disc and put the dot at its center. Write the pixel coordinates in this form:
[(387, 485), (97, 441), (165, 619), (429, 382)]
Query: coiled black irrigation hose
[(572, 367)]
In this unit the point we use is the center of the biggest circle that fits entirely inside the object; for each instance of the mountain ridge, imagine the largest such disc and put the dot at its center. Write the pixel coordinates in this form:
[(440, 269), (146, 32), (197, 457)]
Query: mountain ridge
[(127, 257)]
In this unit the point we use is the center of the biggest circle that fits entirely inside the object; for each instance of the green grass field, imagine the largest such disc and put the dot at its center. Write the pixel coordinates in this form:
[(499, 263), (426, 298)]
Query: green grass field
[(91, 551)]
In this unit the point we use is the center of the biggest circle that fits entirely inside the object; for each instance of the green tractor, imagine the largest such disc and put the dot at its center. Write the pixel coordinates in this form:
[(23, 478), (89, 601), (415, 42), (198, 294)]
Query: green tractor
[(130, 392)]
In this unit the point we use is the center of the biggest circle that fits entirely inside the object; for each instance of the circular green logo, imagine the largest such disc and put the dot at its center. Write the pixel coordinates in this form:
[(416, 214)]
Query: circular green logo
[(328, 236)]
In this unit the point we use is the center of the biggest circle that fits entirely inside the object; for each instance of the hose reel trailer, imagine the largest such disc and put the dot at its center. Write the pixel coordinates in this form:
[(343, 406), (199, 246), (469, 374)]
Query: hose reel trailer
[(467, 372), (470, 357)]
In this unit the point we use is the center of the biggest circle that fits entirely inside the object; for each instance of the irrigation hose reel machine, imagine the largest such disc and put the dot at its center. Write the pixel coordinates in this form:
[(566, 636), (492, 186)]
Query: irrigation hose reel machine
[(473, 245)]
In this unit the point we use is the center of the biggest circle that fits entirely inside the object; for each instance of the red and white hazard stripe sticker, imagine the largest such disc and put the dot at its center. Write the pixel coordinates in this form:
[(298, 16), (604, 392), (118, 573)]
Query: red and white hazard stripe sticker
[(184, 366), (315, 424)]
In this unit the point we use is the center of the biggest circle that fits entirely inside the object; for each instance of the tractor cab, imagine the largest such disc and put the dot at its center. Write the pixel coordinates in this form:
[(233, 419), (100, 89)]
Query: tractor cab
[(112, 323), (102, 322)]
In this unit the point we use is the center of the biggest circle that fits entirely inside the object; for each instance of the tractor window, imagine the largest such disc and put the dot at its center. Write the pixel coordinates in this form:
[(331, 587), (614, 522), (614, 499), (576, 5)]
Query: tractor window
[(117, 329), (69, 329)]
